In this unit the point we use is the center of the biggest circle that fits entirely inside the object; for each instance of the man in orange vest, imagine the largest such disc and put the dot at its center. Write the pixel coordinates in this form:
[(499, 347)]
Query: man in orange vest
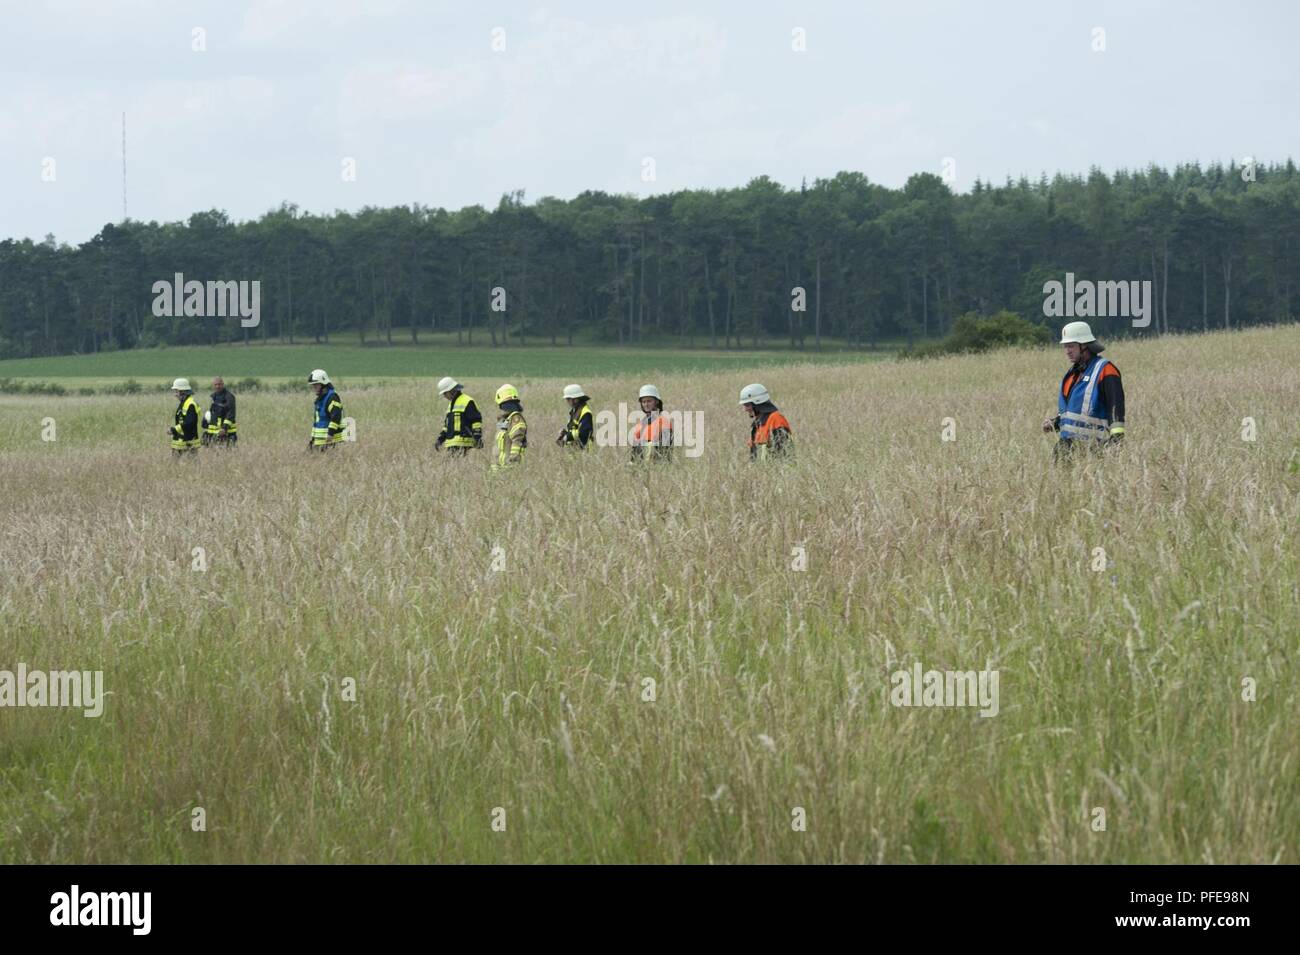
[(769, 434), (652, 436)]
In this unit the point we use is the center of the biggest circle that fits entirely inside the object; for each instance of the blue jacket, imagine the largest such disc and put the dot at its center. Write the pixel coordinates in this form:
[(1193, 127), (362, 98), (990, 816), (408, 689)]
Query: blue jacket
[(328, 426), (1083, 411)]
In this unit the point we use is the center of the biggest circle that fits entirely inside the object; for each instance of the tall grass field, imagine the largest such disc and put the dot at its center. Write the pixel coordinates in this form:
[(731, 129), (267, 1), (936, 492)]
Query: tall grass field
[(385, 654)]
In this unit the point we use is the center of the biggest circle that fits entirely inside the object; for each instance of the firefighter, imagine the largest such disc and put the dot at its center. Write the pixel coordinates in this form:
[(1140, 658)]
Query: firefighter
[(652, 437), (578, 433), (463, 427), (219, 420), (769, 432), (185, 431), (512, 430), (327, 428), (1090, 401)]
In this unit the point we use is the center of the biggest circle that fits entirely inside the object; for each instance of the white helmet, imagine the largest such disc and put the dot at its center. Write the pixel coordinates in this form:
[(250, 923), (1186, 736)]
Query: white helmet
[(318, 377), (754, 394), (574, 391), (1077, 332), (649, 391), (447, 384), (207, 417), (181, 384)]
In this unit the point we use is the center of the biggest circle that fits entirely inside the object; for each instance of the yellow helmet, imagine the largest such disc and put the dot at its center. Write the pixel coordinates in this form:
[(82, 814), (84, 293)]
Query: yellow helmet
[(507, 393)]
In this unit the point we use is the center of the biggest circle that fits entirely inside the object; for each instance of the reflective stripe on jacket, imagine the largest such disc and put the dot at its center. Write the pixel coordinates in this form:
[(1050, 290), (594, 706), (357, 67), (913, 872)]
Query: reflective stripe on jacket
[(185, 431), (580, 427), (1083, 413), (463, 427), (222, 411), (654, 428), (652, 437), (512, 439), (328, 426)]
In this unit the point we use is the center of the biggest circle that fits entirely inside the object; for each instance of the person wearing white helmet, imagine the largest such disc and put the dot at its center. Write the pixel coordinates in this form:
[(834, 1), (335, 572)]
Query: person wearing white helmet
[(327, 428), (769, 430), (185, 431), (1090, 402), (577, 434), (462, 428), (652, 436)]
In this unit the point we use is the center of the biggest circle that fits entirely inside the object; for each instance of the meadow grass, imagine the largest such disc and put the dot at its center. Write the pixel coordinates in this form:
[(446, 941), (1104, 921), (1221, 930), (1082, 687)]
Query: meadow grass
[(524, 688)]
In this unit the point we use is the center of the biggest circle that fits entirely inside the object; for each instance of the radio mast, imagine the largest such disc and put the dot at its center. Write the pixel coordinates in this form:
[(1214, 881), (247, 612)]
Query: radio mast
[(124, 167)]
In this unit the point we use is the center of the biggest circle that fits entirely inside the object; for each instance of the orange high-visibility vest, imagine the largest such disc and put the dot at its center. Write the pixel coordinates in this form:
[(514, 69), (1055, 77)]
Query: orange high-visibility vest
[(657, 430), (763, 433)]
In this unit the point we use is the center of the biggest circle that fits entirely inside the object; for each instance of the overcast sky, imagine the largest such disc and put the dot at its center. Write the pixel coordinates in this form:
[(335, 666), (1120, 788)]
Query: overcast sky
[(432, 110)]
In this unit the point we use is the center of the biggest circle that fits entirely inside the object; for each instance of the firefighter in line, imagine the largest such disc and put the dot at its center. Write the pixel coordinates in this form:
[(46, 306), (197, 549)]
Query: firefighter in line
[(769, 431), (462, 428), (652, 437), (512, 430), (327, 428), (1090, 402), (577, 434), (185, 431), (219, 421)]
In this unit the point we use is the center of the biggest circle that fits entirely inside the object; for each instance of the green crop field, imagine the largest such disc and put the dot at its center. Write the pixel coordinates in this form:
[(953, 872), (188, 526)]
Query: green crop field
[(385, 654), (353, 362)]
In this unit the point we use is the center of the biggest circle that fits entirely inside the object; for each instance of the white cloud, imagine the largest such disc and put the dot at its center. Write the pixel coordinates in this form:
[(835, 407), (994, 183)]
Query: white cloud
[(396, 92), (290, 22), (581, 93)]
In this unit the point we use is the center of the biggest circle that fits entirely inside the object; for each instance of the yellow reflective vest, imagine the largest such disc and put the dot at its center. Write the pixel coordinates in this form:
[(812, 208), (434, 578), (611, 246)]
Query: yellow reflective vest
[(575, 428), (512, 439), (185, 432), (462, 430)]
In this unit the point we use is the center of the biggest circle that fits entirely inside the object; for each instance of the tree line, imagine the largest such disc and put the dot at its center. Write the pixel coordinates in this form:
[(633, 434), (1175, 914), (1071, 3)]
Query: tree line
[(839, 260)]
